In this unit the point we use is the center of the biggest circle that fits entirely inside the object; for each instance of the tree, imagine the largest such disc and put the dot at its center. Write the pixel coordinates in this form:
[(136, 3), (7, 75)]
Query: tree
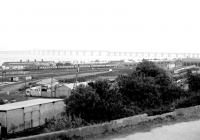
[(98, 102), (194, 82), (148, 86), (141, 91), (111, 100), (150, 69), (84, 103)]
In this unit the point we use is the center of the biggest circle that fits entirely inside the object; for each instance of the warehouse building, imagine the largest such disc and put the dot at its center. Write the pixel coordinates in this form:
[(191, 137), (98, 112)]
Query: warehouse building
[(62, 91), (58, 91), (20, 116)]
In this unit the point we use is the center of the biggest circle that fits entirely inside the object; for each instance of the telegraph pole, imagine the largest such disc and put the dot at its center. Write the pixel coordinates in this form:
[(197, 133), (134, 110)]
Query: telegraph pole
[(77, 70), (51, 84)]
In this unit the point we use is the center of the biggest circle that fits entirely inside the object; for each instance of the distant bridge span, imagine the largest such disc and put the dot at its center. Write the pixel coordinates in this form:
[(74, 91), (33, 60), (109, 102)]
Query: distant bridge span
[(96, 53)]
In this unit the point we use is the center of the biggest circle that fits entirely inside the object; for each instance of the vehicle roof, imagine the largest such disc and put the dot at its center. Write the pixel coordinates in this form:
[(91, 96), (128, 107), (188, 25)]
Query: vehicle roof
[(28, 103)]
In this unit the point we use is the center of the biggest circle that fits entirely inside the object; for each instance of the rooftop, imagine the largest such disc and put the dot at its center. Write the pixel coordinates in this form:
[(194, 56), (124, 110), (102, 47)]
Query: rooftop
[(48, 81), (71, 85), (27, 103)]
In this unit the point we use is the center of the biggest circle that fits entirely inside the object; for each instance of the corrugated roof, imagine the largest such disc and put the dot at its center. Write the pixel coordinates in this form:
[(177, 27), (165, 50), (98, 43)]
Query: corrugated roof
[(27, 103)]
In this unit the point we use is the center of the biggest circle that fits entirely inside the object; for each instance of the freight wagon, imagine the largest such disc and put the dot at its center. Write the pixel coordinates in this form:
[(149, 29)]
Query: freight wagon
[(20, 116)]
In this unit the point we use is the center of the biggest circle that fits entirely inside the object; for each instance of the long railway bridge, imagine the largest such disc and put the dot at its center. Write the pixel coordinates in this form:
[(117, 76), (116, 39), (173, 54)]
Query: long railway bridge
[(77, 54)]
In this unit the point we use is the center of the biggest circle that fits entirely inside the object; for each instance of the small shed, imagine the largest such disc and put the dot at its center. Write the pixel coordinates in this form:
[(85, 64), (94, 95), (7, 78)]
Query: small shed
[(14, 79), (62, 91), (20, 116), (27, 78), (34, 91), (58, 91)]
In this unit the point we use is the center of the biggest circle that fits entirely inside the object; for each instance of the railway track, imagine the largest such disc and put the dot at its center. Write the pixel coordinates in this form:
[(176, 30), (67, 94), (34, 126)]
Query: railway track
[(16, 86)]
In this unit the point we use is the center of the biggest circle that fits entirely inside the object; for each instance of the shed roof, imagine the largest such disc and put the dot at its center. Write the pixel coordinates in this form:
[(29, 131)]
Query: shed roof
[(48, 81), (71, 85), (27, 103)]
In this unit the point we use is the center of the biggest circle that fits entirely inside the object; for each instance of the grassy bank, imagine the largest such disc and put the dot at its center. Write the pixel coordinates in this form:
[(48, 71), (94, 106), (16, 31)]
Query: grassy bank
[(145, 126)]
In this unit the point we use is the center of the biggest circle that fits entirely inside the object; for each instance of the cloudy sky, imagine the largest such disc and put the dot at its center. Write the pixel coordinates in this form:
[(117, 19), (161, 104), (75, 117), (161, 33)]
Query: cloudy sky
[(119, 25)]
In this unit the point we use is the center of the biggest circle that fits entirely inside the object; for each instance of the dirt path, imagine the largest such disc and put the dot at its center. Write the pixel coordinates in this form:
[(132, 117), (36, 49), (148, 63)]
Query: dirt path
[(179, 131)]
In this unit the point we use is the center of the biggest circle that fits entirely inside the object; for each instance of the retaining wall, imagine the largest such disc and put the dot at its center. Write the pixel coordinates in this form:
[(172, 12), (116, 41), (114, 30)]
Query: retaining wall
[(116, 124)]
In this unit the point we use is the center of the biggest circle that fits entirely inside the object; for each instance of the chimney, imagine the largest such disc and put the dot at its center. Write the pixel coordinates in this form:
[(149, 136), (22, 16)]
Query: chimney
[(20, 61), (35, 60)]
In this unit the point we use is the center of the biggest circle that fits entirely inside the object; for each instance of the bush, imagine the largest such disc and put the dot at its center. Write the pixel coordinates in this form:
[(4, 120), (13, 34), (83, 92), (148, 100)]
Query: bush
[(159, 110), (191, 100), (98, 102), (2, 101), (194, 82), (63, 122), (84, 103)]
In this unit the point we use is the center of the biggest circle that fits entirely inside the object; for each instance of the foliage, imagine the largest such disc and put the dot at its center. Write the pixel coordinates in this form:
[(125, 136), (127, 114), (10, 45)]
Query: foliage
[(1, 101), (97, 102), (148, 87), (141, 91), (192, 99), (111, 102), (63, 122), (84, 103), (194, 82)]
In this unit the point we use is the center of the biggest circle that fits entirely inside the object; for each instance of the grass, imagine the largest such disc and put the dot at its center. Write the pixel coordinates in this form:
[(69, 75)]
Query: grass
[(13, 97)]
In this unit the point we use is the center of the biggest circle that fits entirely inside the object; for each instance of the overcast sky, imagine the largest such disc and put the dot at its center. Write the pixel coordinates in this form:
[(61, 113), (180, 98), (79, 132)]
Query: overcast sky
[(115, 25)]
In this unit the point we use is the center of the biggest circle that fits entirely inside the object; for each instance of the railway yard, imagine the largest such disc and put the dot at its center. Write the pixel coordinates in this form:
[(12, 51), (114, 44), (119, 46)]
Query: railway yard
[(15, 84), (13, 90)]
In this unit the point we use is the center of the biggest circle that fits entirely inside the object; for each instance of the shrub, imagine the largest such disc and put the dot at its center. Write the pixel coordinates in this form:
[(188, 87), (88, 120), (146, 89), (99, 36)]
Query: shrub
[(63, 122), (191, 100), (98, 102), (194, 82), (2, 101)]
